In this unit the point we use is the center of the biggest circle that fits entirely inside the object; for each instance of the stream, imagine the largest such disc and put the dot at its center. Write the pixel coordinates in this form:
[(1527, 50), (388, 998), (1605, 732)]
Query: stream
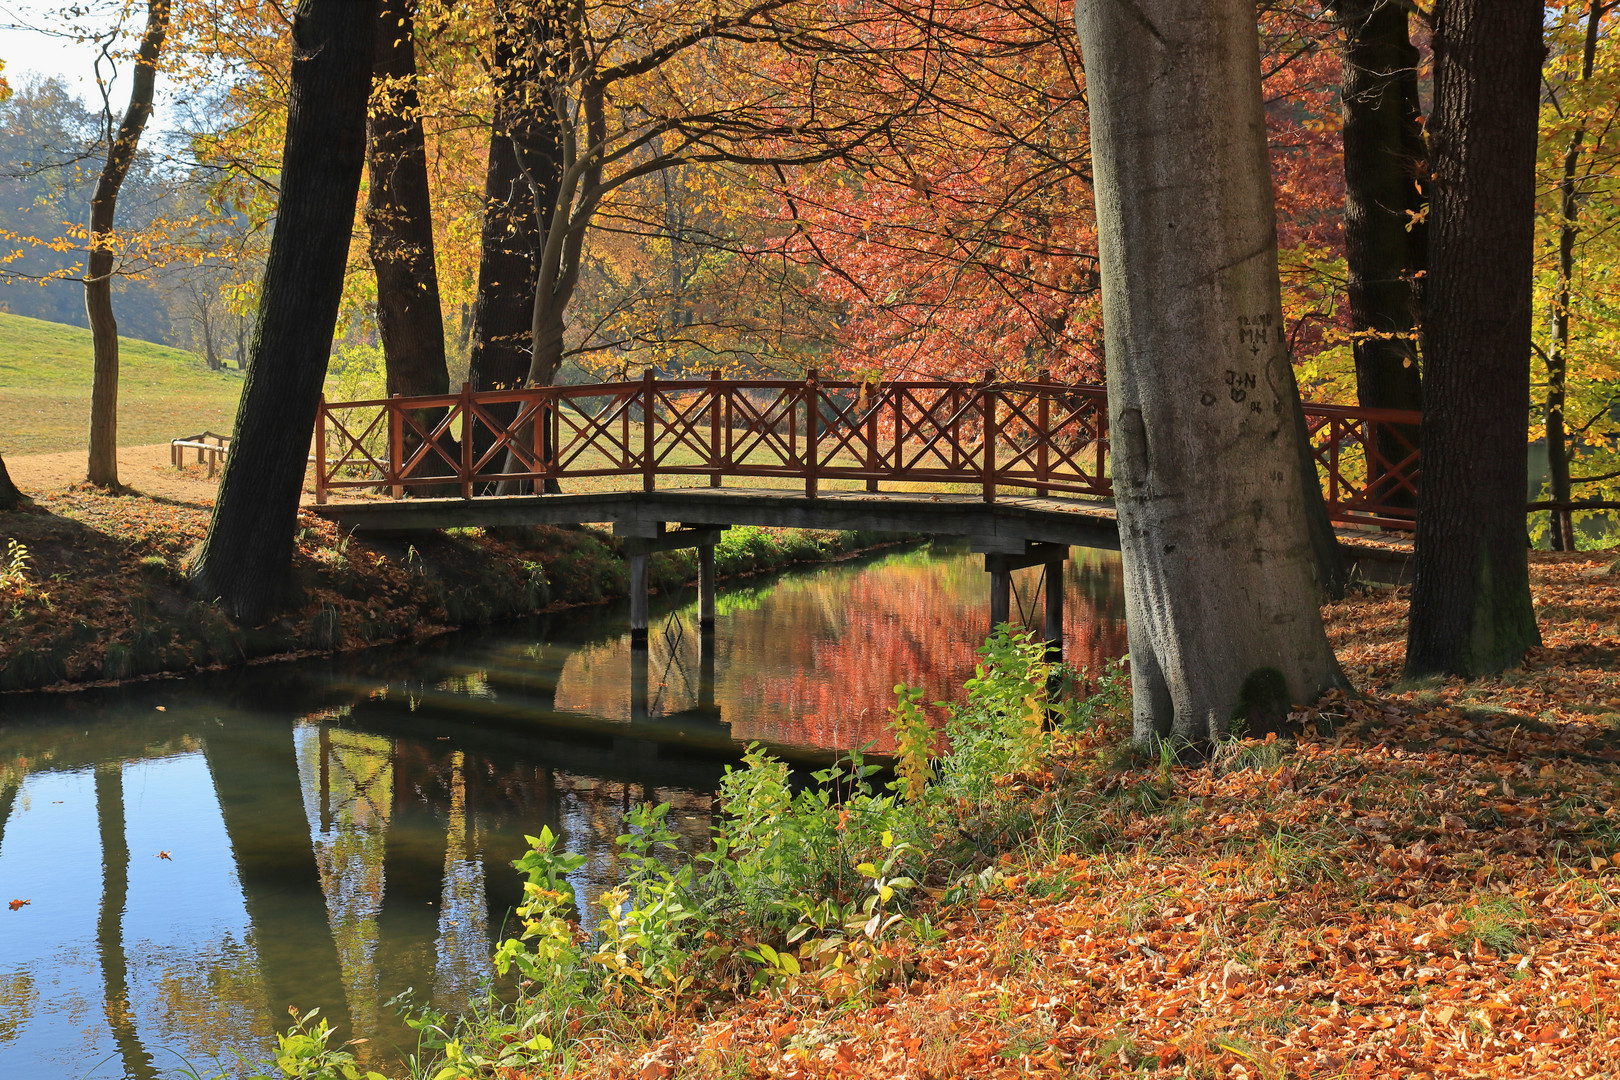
[(183, 858)]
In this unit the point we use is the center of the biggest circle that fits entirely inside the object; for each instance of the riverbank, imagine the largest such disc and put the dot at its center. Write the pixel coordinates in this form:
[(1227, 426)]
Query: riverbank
[(1423, 881), (92, 585)]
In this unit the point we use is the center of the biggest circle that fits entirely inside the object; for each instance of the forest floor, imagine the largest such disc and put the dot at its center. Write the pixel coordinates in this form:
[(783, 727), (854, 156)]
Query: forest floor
[(1425, 882)]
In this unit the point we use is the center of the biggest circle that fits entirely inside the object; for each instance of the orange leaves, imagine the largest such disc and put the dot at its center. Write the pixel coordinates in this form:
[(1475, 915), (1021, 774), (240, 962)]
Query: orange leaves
[(1427, 891), (18, 905)]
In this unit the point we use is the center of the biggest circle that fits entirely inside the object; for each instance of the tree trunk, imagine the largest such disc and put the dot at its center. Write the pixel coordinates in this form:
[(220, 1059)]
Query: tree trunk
[(522, 191), (511, 240), (10, 497), (1220, 604), (246, 557), (1563, 521), (1471, 611), (400, 216), (210, 354), (103, 468), (1384, 240), (514, 213)]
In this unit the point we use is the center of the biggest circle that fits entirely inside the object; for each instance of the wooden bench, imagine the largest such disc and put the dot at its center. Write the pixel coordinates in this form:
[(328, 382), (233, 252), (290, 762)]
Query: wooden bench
[(210, 447)]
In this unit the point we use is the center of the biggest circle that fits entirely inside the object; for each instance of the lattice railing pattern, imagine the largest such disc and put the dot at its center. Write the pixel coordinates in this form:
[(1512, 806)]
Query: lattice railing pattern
[(1035, 437)]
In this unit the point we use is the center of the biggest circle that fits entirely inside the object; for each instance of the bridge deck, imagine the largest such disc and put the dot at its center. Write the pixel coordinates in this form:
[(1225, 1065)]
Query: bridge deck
[(1010, 520), (1009, 524)]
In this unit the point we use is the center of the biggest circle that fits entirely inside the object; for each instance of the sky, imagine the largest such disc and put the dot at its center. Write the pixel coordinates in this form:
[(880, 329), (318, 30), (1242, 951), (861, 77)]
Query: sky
[(35, 38)]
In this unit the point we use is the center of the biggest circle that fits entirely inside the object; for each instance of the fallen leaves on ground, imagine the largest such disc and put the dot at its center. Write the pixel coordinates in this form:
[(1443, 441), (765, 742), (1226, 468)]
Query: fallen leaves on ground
[(1425, 884)]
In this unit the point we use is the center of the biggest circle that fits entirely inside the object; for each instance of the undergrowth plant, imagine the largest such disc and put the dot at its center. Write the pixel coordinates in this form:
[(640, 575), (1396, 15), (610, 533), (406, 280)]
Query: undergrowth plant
[(802, 889)]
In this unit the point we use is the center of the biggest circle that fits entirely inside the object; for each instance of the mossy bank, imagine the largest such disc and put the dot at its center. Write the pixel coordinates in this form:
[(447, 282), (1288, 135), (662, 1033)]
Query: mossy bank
[(92, 586)]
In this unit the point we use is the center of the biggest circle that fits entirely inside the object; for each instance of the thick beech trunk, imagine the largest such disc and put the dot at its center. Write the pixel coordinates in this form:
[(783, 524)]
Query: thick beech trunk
[(10, 497), (103, 468), (523, 192), (400, 216), (1563, 521), (1385, 240), (515, 214), (511, 242), (1220, 600), (1471, 611), (245, 560)]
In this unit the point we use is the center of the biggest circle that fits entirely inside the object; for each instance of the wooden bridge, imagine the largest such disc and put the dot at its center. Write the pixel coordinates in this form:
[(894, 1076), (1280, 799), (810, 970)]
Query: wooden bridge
[(1019, 468)]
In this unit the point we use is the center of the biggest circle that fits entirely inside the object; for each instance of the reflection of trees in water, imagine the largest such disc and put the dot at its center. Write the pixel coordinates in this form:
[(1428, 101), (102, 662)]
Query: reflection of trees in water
[(463, 942), (110, 922), (19, 997), (819, 665), (414, 841), (816, 662), (210, 991)]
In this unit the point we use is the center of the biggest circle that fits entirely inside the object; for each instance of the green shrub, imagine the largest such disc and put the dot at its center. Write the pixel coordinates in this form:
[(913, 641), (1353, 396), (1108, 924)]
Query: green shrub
[(799, 886)]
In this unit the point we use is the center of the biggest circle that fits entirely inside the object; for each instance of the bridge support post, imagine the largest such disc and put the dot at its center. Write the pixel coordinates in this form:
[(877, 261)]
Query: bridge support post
[(639, 688), (1001, 558), (1000, 596), (706, 668), (705, 561), (641, 539), (638, 596), (1054, 611)]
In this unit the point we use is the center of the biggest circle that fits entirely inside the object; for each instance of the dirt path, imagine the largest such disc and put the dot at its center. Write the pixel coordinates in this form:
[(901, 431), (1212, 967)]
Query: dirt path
[(145, 469)]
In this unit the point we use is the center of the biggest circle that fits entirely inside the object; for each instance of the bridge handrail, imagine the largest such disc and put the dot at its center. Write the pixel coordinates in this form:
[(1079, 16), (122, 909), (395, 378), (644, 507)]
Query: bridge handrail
[(1039, 435)]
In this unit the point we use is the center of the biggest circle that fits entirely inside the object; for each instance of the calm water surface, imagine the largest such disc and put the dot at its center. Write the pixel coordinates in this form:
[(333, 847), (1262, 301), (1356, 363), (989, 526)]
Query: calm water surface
[(196, 855)]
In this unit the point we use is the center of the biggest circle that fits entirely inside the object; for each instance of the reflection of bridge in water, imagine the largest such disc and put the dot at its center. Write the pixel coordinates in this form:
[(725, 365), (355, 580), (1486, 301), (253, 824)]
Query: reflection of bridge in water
[(366, 810), (369, 857)]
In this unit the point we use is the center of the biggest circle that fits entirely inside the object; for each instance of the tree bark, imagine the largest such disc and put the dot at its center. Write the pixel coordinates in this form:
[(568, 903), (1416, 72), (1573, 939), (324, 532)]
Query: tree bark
[(1563, 521), (1470, 610), (1220, 603), (246, 557), (1384, 237), (511, 240), (400, 215), (103, 465), (10, 497)]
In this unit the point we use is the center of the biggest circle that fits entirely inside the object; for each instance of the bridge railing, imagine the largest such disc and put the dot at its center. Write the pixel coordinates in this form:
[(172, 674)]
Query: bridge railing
[(1041, 437)]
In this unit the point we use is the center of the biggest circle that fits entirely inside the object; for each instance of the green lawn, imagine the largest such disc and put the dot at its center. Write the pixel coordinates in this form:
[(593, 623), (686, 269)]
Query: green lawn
[(45, 373)]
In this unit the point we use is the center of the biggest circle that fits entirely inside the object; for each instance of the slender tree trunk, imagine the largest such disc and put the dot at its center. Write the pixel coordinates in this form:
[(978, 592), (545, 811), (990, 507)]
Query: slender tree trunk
[(1220, 602), (1563, 521), (246, 557), (1471, 611), (103, 468), (10, 497), (1384, 238), (400, 215), (210, 354)]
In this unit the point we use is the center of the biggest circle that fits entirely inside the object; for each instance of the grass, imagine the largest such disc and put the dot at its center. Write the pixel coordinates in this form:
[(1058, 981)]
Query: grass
[(45, 376)]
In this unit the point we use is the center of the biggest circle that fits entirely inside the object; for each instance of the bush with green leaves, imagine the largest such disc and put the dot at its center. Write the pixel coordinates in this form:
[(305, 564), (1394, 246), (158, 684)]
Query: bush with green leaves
[(800, 886)]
